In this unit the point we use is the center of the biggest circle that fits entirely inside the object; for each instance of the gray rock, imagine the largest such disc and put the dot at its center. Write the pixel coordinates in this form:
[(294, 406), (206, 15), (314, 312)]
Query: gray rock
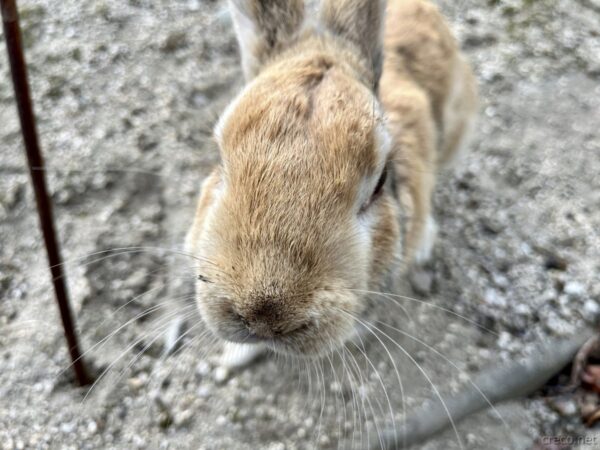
[(493, 298), (566, 407), (421, 281), (220, 374), (574, 289), (204, 391), (591, 309), (183, 418), (174, 41), (558, 326), (203, 369)]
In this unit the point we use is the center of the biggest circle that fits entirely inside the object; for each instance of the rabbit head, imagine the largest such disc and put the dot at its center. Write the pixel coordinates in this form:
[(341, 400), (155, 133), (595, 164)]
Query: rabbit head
[(298, 221)]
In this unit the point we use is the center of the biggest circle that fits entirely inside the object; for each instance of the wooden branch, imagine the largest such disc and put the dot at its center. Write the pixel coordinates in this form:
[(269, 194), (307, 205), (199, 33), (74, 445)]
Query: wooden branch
[(499, 384)]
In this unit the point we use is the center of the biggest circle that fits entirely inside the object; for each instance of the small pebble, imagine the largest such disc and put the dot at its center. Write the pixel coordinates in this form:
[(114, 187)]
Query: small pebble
[(558, 326), (324, 441), (165, 420), (574, 289), (220, 374), (136, 383), (363, 392), (493, 298), (92, 427), (174, 41), (522, 309), (204, 391), (183, 418), (203, 369), (421, 281), (472, 439), (137, 279), (221, 421), (591, 308), (335, 387), (555, 262), (139, 441), (67, 427), (504, 340)]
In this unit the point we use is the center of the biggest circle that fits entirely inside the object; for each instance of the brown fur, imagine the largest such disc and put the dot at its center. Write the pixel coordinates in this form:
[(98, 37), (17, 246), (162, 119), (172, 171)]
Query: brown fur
[(422, 65), (283, 232), (360, 23), (276, 26)]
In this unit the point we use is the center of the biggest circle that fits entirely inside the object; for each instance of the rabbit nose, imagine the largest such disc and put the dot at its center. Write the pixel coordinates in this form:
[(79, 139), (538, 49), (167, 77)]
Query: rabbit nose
[(265, 318), (261, 330)]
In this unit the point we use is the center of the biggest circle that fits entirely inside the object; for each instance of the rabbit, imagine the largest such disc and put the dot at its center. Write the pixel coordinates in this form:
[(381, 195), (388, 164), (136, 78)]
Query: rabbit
[(329, 159)]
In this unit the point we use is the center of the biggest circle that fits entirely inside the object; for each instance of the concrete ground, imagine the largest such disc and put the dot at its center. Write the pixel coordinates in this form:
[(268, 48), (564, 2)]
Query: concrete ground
[(127, 94)]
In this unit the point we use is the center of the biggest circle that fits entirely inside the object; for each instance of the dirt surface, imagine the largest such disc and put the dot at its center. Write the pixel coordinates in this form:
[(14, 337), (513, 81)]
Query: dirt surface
[(127, 93)]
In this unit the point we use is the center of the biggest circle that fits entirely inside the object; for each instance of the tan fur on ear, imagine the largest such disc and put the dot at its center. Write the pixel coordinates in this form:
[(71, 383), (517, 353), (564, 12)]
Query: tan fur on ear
[(359, 22), (264, 28)]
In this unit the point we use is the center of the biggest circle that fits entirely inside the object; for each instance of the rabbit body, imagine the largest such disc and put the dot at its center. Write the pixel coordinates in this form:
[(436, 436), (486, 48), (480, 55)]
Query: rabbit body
[(429, 95), (329, 158)]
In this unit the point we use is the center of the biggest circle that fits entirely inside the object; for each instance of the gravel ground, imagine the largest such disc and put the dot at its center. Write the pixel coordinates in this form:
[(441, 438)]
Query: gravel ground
[(127, 93)]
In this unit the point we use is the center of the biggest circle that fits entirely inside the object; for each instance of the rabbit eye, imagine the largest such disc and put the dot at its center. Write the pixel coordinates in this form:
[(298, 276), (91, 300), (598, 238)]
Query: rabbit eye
[(378, 189)]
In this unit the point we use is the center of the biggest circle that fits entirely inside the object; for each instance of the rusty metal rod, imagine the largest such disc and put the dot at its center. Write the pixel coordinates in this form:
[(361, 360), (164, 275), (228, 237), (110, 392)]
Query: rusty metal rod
[(12, 35)]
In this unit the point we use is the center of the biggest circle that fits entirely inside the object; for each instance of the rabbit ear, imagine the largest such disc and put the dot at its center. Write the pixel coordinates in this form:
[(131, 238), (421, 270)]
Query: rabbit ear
[(359, 22), (264, 28)]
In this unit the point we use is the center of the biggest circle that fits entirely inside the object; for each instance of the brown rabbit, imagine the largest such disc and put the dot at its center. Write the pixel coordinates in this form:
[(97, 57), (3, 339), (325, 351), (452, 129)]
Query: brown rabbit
[(329, 158)]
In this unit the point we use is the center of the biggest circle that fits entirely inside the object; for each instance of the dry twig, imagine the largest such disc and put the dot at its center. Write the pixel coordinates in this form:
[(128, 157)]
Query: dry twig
[(498, 384)]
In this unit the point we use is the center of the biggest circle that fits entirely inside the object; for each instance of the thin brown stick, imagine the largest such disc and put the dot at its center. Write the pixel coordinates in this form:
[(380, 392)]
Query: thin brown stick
[(12, 34)]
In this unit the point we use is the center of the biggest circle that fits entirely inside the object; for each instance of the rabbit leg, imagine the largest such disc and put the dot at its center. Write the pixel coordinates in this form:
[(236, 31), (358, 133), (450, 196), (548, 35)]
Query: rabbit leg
[(424, 247), (414, 133), (422, 229), (459, 113)]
